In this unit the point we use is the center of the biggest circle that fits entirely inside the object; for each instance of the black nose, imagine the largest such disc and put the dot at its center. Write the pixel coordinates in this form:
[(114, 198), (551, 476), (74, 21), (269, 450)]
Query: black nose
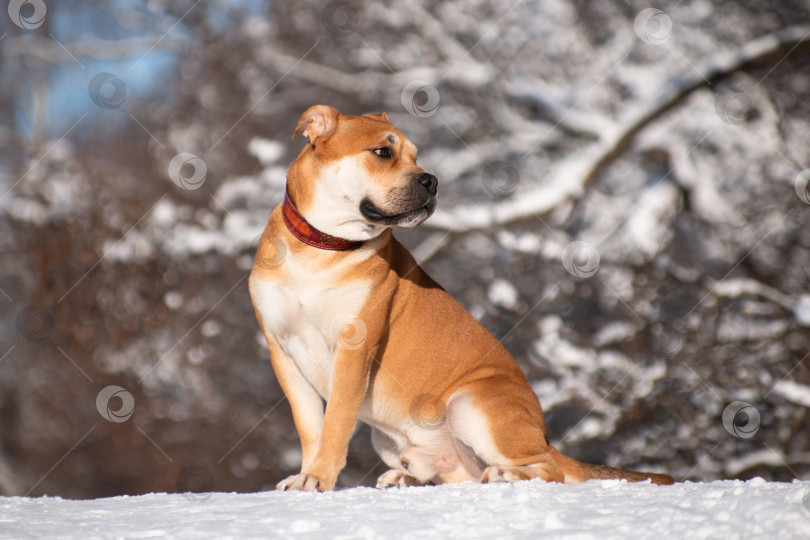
[(429, 182)]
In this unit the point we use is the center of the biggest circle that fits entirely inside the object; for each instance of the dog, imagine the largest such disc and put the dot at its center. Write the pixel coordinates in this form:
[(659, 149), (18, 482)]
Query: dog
[(352, 321)]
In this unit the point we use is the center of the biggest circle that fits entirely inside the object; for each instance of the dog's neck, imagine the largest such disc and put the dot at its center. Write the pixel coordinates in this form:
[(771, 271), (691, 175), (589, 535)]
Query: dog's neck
[(308, 234)]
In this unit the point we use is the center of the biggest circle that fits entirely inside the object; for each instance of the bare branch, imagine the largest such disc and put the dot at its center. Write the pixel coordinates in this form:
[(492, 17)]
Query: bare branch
[(51, 51)]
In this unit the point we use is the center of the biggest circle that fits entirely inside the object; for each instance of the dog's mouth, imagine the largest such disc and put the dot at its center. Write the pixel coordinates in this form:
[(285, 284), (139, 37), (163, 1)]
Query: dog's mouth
[(410, 218)]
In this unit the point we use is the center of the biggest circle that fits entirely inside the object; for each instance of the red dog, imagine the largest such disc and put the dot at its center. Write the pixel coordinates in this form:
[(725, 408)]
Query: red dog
[(352, 320)]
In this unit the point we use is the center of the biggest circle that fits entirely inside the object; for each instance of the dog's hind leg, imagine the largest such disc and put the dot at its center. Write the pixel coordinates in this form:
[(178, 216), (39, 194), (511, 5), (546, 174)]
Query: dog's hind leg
[(391, 454), (500, 420), (397, 478)]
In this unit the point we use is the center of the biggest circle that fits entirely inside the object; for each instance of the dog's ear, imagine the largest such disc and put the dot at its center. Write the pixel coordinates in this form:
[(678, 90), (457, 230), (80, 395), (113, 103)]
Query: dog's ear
[(381, 116), (318, 122)]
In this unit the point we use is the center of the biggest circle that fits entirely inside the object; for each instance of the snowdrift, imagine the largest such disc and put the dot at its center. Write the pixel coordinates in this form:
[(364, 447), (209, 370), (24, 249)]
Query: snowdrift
[(601, 509)]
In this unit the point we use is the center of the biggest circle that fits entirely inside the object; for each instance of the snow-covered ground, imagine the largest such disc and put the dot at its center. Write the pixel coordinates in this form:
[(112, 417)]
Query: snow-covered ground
[(598, 509)]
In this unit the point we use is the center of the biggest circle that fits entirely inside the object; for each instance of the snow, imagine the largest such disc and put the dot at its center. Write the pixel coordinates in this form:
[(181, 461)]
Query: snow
[(793, 391), (504, 294), (564, 353), (614, 332), (266, 151), (735, 327), (768, 456), (601, 509), (649, 223), (802, 310)]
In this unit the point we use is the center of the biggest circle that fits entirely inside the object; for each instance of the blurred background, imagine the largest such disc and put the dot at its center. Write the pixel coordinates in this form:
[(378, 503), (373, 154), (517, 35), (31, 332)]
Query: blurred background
[(623, 201)]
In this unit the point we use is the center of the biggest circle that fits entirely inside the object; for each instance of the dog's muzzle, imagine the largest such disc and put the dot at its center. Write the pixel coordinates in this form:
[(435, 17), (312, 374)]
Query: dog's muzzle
[(407, 206)]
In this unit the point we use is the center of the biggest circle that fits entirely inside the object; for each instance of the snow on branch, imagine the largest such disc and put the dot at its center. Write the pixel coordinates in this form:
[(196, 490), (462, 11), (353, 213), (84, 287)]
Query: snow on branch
[(736, 288), (793, 391), (549, 104), (569, 179)]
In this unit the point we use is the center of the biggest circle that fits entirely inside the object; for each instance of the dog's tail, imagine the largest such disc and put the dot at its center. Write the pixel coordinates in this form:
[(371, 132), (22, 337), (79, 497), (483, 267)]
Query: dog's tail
[(576, 471)]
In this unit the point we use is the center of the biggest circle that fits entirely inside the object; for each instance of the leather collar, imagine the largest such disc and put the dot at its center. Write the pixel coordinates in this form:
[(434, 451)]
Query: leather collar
[(304, 231)]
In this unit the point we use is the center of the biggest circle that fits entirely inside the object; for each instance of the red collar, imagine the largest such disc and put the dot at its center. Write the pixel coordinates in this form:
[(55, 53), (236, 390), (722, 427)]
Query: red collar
[(304, 231)]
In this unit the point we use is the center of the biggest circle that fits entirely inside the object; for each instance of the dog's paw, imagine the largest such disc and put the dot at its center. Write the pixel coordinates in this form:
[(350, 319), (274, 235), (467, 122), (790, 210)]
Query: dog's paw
[(395, 478), (303, 482), (505, 474)]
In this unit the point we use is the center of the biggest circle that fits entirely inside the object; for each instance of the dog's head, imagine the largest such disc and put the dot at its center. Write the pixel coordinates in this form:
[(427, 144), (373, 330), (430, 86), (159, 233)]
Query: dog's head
[(358, 175)]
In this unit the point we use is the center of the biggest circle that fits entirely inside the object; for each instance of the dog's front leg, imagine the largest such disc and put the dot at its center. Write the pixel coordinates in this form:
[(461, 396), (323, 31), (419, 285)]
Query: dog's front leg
[(349, 384), (306, 405)]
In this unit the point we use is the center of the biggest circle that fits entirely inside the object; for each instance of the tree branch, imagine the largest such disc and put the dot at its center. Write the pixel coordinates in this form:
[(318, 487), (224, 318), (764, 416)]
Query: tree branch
[(569, 180), (51, 51)]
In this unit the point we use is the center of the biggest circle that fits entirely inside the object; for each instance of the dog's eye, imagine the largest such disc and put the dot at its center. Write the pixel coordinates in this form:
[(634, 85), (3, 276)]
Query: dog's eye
[(383, 152)]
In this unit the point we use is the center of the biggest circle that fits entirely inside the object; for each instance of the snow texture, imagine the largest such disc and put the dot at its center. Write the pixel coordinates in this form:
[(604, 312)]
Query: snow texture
[(601, 509)]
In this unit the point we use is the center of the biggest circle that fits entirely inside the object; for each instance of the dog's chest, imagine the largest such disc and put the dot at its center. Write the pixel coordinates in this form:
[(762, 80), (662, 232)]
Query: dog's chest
[(308, 314)]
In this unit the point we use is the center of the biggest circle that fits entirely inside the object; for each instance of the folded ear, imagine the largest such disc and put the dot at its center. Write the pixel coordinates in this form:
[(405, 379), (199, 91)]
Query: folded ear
[(381, 116), (319, 121)]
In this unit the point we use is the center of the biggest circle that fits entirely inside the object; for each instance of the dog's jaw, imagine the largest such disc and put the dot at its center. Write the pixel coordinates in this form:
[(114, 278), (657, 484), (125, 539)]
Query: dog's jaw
[(411, 218), (341, 218)]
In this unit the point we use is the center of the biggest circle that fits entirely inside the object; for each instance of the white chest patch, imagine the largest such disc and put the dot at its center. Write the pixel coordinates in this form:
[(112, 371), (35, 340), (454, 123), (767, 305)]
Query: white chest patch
[(310, 317)]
